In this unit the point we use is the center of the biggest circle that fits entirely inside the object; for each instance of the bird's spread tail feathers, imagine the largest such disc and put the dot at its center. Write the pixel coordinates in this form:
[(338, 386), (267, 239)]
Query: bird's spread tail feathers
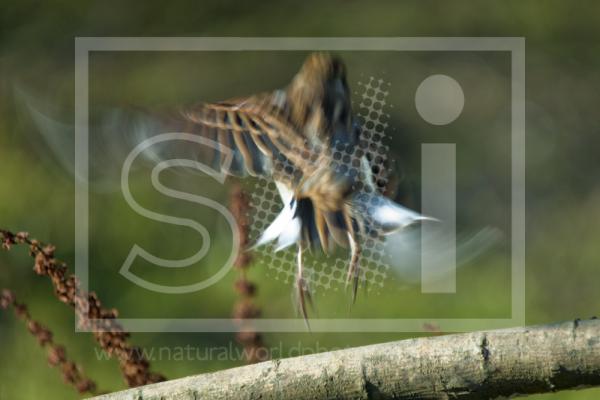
[(300, 223)]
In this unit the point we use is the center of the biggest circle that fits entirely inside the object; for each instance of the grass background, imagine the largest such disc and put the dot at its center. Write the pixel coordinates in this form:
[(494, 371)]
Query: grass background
[(36, 190)]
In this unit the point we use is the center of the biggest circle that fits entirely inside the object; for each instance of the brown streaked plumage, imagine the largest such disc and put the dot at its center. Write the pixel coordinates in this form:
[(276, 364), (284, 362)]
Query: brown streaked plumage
[(292, 135)]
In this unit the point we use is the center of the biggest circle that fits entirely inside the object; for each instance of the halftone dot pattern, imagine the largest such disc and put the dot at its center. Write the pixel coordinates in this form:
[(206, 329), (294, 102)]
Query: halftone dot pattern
[(329, 272)]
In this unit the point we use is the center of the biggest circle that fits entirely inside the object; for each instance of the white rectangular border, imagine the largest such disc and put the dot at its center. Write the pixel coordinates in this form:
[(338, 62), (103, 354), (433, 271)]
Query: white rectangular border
[(514, 45)]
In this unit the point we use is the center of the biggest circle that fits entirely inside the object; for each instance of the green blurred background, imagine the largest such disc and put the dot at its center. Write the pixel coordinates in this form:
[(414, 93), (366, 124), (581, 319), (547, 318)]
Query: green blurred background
[(36, 187)]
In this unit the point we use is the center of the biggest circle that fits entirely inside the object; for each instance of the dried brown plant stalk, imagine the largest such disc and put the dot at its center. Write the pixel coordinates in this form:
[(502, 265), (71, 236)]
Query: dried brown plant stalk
[(254, 347), (89, 312), (57, 355)]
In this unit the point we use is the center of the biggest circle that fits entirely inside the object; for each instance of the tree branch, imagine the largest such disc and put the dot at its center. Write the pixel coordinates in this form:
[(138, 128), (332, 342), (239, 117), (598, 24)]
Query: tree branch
[(477, 365)]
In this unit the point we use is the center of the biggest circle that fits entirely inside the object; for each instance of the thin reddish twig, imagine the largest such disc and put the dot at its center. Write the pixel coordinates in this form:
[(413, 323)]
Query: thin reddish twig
[(57, 356), (90, 314), (245, 308)]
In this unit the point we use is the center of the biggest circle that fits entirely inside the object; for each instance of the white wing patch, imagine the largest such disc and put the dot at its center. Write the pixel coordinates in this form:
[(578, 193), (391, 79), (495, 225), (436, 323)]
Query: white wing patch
[(286, 227)]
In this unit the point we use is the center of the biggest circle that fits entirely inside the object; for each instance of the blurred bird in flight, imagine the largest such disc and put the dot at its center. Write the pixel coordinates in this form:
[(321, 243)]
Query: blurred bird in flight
[(296, 136), (305, 138)]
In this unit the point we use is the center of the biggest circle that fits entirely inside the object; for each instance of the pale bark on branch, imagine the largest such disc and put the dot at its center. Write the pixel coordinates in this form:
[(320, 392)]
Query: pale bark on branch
[(477, 365)]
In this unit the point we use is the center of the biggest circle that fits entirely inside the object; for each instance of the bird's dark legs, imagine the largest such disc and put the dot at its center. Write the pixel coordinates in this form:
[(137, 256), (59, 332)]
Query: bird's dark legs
[(354, 267), (302, 286)]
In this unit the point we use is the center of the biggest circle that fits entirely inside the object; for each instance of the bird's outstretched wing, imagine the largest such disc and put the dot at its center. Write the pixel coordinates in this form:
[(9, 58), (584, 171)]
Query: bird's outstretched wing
[(292, 128), (256, 130)]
